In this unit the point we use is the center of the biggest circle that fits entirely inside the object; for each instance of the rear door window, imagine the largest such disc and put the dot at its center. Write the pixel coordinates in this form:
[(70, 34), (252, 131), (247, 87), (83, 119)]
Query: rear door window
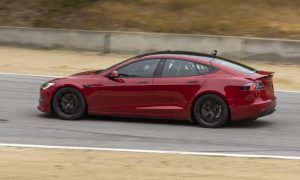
[(204, 69), (178, 68)]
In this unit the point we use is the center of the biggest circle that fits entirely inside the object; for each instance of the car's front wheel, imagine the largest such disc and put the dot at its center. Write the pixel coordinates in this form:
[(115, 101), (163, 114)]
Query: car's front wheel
[(210, 111), (68, 103)]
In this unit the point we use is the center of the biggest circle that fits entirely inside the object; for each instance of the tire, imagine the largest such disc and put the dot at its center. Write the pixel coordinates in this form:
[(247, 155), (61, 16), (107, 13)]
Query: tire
[(69, 104), (210, 111)]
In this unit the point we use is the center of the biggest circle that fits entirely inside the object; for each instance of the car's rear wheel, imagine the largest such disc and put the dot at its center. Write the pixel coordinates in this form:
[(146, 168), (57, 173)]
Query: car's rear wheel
[(68, 103), (210, 111)]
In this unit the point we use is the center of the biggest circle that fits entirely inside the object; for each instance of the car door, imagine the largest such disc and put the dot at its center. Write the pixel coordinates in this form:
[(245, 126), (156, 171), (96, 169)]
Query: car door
[(177, 84), (130, 92)]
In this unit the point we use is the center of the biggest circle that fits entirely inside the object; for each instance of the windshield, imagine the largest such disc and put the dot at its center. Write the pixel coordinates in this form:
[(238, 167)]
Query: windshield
[(111, 67), (235, 66)]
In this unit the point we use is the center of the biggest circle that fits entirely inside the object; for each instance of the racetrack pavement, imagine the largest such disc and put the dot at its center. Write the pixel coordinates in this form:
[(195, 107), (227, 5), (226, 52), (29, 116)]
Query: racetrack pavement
[(22, 123)]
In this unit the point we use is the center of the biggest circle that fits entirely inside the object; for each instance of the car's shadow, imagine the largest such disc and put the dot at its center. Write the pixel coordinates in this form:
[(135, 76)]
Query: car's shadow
[(140, 120), (239, 124), (122, 119), (249, 124)]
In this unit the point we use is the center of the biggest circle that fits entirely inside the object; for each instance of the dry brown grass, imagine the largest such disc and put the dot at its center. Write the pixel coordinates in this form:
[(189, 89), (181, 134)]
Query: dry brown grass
[(268, 18)]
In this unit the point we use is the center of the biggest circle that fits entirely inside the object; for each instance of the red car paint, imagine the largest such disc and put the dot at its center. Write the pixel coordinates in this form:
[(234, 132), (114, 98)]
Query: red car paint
[(168, 97)]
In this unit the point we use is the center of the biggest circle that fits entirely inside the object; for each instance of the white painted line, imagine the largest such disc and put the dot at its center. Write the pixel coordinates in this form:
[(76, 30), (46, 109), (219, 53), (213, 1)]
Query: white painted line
[(39, 75), (150, 151), (34, 75)]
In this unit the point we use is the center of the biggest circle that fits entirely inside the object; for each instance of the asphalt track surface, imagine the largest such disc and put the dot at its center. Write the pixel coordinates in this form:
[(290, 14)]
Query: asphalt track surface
[(22, 123)]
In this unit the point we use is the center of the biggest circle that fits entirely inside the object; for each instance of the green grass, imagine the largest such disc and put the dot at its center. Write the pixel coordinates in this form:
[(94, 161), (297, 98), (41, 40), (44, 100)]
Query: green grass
[(262, 18)]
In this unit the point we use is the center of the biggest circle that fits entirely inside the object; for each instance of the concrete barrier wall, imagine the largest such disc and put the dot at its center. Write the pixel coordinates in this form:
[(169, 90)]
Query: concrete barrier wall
[(137, 42), (52, 38), (271, 49), (142, 42)]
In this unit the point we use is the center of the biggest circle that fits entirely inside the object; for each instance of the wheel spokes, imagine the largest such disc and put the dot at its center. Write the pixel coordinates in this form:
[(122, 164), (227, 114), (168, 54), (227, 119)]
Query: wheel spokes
[(211, 110), (68, 103)]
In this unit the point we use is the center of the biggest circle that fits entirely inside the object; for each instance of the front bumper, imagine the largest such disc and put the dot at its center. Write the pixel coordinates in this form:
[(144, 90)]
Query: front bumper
[(45, 100)]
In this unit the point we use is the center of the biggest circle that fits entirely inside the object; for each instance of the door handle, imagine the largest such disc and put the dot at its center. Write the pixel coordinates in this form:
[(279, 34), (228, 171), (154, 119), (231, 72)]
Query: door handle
[(193, 81), (143, 82)]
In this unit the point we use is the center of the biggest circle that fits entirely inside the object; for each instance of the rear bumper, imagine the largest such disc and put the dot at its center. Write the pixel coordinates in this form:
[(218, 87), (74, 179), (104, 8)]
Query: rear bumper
[(267, 112), (253, 110)]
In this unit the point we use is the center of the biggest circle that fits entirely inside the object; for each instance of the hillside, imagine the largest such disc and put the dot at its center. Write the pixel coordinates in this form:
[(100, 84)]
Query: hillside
[(267, 18)]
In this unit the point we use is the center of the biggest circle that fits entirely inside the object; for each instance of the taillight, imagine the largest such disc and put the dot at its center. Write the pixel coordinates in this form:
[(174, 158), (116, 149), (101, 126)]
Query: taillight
[(253, 86)]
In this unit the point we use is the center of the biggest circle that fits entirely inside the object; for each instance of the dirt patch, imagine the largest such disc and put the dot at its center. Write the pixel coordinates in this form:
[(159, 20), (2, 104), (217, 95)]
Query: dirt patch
[(52, 62), (62, 63), (29, 163)]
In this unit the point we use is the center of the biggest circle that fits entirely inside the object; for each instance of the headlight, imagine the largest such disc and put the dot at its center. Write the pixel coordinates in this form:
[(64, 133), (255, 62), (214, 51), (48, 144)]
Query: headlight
[(47, 85)]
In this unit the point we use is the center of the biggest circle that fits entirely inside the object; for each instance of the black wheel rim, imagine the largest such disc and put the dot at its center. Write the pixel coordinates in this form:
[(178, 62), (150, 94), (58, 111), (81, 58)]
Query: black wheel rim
[(68, 103), (211, 111)]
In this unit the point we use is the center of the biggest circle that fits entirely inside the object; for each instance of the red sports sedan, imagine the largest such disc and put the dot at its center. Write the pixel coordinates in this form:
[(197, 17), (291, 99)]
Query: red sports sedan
[(206, 89)]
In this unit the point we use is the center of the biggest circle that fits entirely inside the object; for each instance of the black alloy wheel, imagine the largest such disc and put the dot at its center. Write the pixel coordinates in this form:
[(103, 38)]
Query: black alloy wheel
[(210, 111), (68, 103)]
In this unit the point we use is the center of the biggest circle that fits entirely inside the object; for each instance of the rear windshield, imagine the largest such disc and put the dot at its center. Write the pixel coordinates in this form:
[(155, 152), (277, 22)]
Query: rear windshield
[(235, 66)]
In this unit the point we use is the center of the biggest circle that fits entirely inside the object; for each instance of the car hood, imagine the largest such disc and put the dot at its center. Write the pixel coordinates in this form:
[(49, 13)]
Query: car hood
[(82, 76), (86, 73)]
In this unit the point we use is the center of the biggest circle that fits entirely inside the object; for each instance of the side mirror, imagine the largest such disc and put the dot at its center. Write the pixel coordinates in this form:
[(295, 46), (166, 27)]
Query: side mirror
[(114, 74)]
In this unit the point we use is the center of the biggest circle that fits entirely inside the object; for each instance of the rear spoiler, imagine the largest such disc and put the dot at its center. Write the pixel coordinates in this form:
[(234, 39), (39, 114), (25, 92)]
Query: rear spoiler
[(265, 73), (260, 75)]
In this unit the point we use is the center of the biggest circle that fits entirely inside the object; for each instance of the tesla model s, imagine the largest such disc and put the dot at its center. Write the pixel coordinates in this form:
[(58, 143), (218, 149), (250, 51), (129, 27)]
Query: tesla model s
[(206, 89)]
